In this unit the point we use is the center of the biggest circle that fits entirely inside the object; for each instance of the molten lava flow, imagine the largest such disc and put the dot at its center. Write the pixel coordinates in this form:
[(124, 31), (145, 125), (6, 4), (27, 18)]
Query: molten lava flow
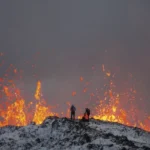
[(111, 112), (14, 114), (38, 91), (17, 113), (112, 107), (41, 111)]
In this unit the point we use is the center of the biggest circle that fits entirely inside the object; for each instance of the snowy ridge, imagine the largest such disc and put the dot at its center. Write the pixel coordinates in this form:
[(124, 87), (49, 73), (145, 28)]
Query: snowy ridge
[(63, 134)]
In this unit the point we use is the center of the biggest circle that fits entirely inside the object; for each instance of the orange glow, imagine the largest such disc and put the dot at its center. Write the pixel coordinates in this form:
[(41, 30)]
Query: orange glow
[(41, 112), (14, 114), (15, 70), (109, 107), (84, 90), (74, 93), (17, 112), (111, 112), (68, 110), (38, 89), (103, 67), (6, 91), (108, 74), (81, 78)]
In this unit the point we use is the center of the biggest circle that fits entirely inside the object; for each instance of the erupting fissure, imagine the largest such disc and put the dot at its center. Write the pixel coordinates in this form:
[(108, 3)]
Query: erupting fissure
[(17, 113), (111, 108)]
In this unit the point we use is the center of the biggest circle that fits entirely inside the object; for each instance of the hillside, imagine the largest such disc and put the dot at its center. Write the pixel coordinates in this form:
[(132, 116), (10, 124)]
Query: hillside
[(63, 134)]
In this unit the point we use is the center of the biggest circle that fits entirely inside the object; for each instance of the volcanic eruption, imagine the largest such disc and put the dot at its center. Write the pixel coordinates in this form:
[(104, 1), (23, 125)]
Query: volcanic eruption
[(110, 105)]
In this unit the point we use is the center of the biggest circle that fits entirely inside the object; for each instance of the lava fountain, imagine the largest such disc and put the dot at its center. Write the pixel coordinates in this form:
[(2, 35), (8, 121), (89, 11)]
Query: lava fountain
[(14, 110), (112, 106), (19, 113)]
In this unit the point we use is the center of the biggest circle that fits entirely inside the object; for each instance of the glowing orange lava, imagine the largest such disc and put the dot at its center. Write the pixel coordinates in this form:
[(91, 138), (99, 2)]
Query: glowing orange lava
[(41, 111), (111, 108), (18, 113)]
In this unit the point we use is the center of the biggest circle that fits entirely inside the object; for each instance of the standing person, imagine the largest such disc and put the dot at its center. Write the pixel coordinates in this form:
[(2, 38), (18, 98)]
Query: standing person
[(72, 109), (87, 111), (86, 115)]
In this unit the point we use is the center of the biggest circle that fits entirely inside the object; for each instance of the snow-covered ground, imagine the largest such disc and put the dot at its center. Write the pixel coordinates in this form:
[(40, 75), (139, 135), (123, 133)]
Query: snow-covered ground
[(63, 134)]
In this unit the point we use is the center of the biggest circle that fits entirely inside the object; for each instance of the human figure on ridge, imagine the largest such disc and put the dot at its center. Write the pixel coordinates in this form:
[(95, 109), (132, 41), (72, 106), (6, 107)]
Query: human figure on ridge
[(87, 110), (86, 115), (72, 110)]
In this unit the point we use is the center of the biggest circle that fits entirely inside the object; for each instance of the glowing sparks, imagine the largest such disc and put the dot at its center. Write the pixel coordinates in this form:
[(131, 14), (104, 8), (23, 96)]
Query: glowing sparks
[(14, 114), (41, 112), (74, 93), (38, 91), (6, 91), (81, 78), (103, 68), (114, 109), (17, 112), (15, 70), (108, 74), (84, 90), (109, 107)]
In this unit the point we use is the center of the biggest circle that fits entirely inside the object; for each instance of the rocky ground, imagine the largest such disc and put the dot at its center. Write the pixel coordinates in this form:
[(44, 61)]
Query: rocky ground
[(63, 134)]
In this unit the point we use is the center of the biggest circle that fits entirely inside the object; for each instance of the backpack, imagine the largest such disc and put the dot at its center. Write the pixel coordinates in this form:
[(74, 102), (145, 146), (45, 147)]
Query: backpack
[(73, 108), (88, 110)]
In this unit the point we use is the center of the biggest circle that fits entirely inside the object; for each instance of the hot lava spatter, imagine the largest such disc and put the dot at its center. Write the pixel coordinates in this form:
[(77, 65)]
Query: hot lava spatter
[(112, 106), (16, 111)]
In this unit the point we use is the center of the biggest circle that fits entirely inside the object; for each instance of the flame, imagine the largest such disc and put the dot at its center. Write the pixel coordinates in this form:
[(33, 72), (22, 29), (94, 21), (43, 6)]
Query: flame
[(84, 90), (41, 111), (15, 70), (18, 114), (38, 89), (113, 109), (108, 74), (111, 112), (6, 91), (14, 114), (81, 78), (103, 67), (74, 93), (17, 111)]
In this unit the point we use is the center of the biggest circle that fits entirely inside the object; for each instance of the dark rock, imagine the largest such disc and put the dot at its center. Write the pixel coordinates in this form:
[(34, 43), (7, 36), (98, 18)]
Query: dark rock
[(145, 148), (55, 125), (38, 140), (28, 146), (87, 138), (94, 147), (124, 141), (107, 135)]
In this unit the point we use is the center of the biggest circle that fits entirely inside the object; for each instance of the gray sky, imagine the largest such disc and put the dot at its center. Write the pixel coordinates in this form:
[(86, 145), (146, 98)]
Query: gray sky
[(72, 36)]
